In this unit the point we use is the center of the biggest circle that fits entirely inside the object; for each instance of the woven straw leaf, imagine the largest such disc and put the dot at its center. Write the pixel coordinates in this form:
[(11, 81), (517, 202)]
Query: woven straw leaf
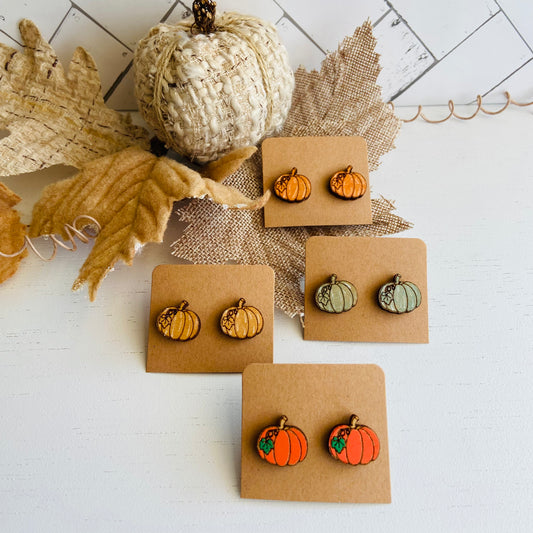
[(54, 117), (130, 194), (342, 99), (12, 233)]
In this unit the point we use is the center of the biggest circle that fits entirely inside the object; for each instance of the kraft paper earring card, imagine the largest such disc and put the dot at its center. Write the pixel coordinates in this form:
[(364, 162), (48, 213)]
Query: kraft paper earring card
[(391, 302), (210, 318), (288, 414), (306, 166)]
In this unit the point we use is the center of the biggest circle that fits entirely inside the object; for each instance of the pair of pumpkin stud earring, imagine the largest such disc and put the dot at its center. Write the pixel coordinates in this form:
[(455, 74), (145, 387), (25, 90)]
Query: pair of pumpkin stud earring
[(344, 184), (352, 443), (338, 296), (181, 324)]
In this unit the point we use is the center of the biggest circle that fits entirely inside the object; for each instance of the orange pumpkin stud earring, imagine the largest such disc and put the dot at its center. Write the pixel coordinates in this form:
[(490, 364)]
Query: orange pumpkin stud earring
[(353, 443), (178, 323), (292, 187), (282, 445), (347, 185), (241, 321)]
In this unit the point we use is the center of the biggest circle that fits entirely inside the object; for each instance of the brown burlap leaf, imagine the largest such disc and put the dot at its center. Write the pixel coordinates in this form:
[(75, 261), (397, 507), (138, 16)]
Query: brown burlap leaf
[(342, 99), (54, 117)]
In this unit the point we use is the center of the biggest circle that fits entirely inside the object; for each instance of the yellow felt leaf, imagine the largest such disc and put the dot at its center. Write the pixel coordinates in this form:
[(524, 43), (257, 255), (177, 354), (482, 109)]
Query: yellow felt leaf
[(130, 194), (12, 233), (54, 117)]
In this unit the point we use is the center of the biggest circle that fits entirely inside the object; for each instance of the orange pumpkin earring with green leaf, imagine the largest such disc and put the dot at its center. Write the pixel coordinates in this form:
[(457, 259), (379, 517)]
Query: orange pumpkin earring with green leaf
[(282, 445), (353, 443)]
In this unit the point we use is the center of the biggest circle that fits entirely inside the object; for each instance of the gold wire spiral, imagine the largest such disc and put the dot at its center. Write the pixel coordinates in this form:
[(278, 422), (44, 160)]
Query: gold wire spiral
[(453, 113), (89, 231)]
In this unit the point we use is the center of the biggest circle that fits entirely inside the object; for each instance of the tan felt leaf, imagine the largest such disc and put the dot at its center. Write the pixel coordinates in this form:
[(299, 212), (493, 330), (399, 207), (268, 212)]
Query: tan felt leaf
[(131, 194), (55, 117), (225, 166), (12, 233)]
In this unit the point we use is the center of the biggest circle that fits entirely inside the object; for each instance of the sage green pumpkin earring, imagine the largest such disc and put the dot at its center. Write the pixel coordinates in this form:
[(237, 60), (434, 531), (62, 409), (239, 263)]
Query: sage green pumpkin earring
[(399, 296), (336, 296)]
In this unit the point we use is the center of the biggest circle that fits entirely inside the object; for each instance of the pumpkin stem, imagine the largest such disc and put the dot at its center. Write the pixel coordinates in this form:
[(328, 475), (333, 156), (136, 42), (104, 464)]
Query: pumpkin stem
[(333, 278), (204, 15), (397, 278), (241, 303), (349, 169), (353, 421), (293, 171), (282, 421), (183, 305)]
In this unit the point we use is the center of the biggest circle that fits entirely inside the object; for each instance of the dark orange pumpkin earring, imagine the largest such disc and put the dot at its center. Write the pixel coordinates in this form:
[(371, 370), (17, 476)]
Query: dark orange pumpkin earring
[(282, 445), (292, 187), (178, 323), (241, 321), (353, 443), (347, 185)]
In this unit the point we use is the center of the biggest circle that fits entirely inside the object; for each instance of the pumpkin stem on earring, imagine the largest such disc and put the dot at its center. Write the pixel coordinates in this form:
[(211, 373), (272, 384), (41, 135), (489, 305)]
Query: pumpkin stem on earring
[(183, 305), (204, 15), (353, 421), (349, 169), (333, 278), (282, 421), (241, 303), (397, 278), (293, 171)]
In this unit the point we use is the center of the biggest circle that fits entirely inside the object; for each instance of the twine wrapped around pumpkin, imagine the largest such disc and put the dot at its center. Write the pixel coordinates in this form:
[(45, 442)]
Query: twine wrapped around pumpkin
[(208, 94)]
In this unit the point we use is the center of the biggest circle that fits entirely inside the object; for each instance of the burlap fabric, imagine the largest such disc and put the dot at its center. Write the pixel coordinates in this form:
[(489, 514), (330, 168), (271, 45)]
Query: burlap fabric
[(342, 99)]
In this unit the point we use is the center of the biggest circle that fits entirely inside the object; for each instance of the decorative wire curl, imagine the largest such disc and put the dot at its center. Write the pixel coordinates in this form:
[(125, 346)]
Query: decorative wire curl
[(451, 107), (89, 231)]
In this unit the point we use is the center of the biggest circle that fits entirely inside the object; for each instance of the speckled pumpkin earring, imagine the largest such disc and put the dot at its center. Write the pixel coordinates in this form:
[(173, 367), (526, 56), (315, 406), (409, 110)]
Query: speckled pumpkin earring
[(178, 323), (292, 187), (241, 321), (399, 296), (336, 296), (347, 185), (282, 445), (353, 443)]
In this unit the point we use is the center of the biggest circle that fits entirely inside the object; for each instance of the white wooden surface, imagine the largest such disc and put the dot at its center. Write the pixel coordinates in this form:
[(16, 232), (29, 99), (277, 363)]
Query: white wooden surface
[(431, 51), (91, 443)]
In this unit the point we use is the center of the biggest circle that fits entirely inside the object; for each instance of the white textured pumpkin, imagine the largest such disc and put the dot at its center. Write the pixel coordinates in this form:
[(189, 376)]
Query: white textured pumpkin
[(208, 94)]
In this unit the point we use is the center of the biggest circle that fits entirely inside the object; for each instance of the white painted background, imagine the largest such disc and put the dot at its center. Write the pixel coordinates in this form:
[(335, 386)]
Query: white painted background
[(431, 51), (91, 443)]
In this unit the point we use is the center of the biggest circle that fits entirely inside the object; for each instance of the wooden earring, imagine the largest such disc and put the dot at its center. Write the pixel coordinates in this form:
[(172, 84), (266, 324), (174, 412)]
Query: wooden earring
[(292, 187), (347, 185), (399, 296), (336, 296), (178, 323), (242, 321), (353, 443), (282, 445)]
